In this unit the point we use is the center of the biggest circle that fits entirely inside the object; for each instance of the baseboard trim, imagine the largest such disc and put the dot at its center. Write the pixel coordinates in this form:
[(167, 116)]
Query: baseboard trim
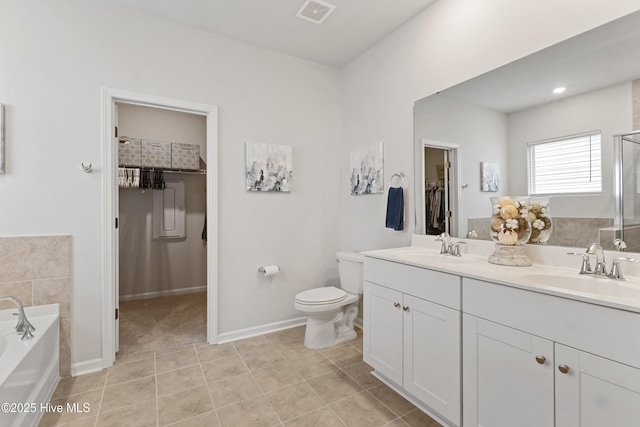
[(170, 292), (260, 330), (86, 367)]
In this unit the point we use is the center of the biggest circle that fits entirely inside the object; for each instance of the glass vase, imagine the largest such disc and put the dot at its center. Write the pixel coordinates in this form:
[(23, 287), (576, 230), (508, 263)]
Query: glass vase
[(540, 219), (510, 224)]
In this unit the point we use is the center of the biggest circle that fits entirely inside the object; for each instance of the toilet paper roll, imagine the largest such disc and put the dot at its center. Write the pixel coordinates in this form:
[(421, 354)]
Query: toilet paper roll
[(269, 270)]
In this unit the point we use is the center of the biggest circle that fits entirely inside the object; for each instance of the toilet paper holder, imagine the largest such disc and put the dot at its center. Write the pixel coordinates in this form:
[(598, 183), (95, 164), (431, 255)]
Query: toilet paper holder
[(269, 270)]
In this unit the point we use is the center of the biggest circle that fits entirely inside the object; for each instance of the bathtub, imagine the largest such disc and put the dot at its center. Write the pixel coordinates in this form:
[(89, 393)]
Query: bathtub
[(29, 370)]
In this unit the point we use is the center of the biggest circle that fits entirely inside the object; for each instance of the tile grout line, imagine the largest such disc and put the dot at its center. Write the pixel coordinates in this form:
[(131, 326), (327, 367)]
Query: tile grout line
[(303, 381), (206, 383), (325, 402), (104, 388), (372, 395), (155, 380), (280, 422)]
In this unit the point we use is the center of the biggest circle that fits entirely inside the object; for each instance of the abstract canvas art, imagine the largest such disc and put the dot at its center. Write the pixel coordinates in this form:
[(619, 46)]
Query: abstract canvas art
[(269, 167), (367, 170), (490, 176)]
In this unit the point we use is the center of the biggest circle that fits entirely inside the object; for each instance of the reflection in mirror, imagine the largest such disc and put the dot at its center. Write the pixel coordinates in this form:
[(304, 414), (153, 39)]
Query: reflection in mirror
[(493, 117)]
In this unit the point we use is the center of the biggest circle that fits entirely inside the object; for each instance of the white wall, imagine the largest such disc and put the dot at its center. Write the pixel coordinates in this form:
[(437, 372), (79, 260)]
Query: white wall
[(607, 110), (448, 43), (54, 59), (482, 137), (151, 266)]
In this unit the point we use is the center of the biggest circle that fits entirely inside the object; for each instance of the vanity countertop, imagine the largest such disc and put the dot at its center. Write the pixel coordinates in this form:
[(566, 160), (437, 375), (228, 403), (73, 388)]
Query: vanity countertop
[(543, 276)]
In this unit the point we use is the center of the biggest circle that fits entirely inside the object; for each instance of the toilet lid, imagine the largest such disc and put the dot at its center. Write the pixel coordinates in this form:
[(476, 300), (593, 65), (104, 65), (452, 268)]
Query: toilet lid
[(326, 295)]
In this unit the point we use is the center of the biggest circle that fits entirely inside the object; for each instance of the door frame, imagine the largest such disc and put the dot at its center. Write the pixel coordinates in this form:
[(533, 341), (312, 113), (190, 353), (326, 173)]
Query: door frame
[(454, 184), (110, 190)]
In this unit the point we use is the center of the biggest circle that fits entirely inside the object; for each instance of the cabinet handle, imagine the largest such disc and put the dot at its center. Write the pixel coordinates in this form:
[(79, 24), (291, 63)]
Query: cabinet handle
[(541, 359), (405, 308), (563, 368), (396, 304)]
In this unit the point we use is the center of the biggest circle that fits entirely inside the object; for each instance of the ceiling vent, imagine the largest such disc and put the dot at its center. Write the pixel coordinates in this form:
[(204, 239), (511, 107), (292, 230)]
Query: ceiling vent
[(315, 11)]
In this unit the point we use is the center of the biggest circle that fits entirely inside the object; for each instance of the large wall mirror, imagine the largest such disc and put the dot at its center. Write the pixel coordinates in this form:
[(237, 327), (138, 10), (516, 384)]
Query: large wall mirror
[(491, 119)]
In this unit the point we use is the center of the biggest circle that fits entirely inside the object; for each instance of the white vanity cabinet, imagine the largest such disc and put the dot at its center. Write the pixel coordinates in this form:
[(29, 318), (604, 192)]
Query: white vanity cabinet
[(508, 376), (532, 359), (412, 333), (595, 391)]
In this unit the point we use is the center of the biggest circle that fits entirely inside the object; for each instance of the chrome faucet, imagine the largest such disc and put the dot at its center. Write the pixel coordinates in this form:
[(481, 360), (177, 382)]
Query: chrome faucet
[(448, 247), (601, 266), (446, 242), (619, 245), (23, 327), (616, 271), (585, 268)]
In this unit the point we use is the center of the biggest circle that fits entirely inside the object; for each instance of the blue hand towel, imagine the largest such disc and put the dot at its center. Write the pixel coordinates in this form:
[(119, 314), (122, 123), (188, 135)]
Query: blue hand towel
[(395, 208)]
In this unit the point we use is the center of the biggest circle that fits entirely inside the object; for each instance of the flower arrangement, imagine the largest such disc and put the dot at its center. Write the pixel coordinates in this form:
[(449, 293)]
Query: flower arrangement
[(510, 220), (540, 219)]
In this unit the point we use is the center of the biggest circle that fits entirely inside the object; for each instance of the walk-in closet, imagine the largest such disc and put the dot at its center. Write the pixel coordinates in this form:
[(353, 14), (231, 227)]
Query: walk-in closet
[(436, 197), (162, 260)]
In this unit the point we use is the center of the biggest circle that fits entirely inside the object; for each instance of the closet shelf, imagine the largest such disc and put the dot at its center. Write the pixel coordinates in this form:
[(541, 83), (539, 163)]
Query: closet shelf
[(167, 170), (185, 171)]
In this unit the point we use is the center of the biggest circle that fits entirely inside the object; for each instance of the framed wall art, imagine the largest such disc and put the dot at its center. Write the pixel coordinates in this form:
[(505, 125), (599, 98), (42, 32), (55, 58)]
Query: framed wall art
[(490, 177), (367, 170), (269, 167)]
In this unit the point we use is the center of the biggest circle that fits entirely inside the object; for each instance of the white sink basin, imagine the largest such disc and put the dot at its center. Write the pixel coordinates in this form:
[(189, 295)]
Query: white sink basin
[(423, 255), (588, 284)]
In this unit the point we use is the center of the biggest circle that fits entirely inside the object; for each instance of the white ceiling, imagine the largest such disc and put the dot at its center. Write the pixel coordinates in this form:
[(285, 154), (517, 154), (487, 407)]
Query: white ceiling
[(598, 58), (348, 32)]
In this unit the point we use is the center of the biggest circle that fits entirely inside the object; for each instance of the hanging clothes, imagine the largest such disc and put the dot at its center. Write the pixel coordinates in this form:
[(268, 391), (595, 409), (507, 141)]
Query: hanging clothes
[(435, 214), (129, 177)]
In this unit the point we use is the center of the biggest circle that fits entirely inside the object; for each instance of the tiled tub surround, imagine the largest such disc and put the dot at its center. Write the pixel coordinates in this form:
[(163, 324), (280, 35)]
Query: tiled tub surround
[(37, 270), (574, 232), (268, 380)]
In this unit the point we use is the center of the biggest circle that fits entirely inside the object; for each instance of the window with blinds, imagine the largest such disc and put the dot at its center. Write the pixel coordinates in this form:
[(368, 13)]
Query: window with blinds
[(567, 165)]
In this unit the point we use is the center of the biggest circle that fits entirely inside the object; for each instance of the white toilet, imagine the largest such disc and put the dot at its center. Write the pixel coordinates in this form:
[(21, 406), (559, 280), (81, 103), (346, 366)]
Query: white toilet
[(331, 311)]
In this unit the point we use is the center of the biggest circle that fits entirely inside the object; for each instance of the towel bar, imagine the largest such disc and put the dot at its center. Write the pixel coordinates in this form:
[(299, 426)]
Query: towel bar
[(399, 175)]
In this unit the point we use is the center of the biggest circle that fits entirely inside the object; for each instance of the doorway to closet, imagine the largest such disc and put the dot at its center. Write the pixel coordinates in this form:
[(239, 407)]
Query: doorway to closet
[(139, 275), (440, 190), (162, 261)]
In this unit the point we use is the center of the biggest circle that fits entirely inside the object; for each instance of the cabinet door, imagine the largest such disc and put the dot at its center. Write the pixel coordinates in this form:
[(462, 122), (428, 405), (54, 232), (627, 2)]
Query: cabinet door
[(432, 355), (508, 376), (595, 391), (383, 330)]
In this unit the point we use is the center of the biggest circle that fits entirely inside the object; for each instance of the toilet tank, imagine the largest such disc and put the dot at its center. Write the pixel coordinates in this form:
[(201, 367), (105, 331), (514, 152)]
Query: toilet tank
[(350, 268)]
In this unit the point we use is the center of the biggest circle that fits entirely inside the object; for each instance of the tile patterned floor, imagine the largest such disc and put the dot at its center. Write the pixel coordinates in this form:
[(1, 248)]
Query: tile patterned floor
[(269, 380), (167, 321)]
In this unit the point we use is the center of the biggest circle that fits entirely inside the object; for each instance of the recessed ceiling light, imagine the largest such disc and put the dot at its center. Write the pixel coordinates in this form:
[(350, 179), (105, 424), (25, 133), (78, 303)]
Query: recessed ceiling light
[(315, 11), (559, 89)]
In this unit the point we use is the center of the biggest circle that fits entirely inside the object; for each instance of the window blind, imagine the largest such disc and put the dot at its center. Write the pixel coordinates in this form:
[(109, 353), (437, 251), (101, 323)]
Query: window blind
[(567, 165)]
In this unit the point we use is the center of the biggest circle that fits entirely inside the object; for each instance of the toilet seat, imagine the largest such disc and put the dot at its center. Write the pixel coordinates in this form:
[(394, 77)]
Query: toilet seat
[(321, 296)]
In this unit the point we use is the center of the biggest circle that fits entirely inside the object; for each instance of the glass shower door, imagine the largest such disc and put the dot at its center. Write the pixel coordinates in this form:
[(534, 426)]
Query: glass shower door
[(627, 189)]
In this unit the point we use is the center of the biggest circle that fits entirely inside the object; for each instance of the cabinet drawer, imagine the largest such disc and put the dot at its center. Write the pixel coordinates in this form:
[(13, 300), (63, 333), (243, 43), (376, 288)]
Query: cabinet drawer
[(605, 331), (434, 286)]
